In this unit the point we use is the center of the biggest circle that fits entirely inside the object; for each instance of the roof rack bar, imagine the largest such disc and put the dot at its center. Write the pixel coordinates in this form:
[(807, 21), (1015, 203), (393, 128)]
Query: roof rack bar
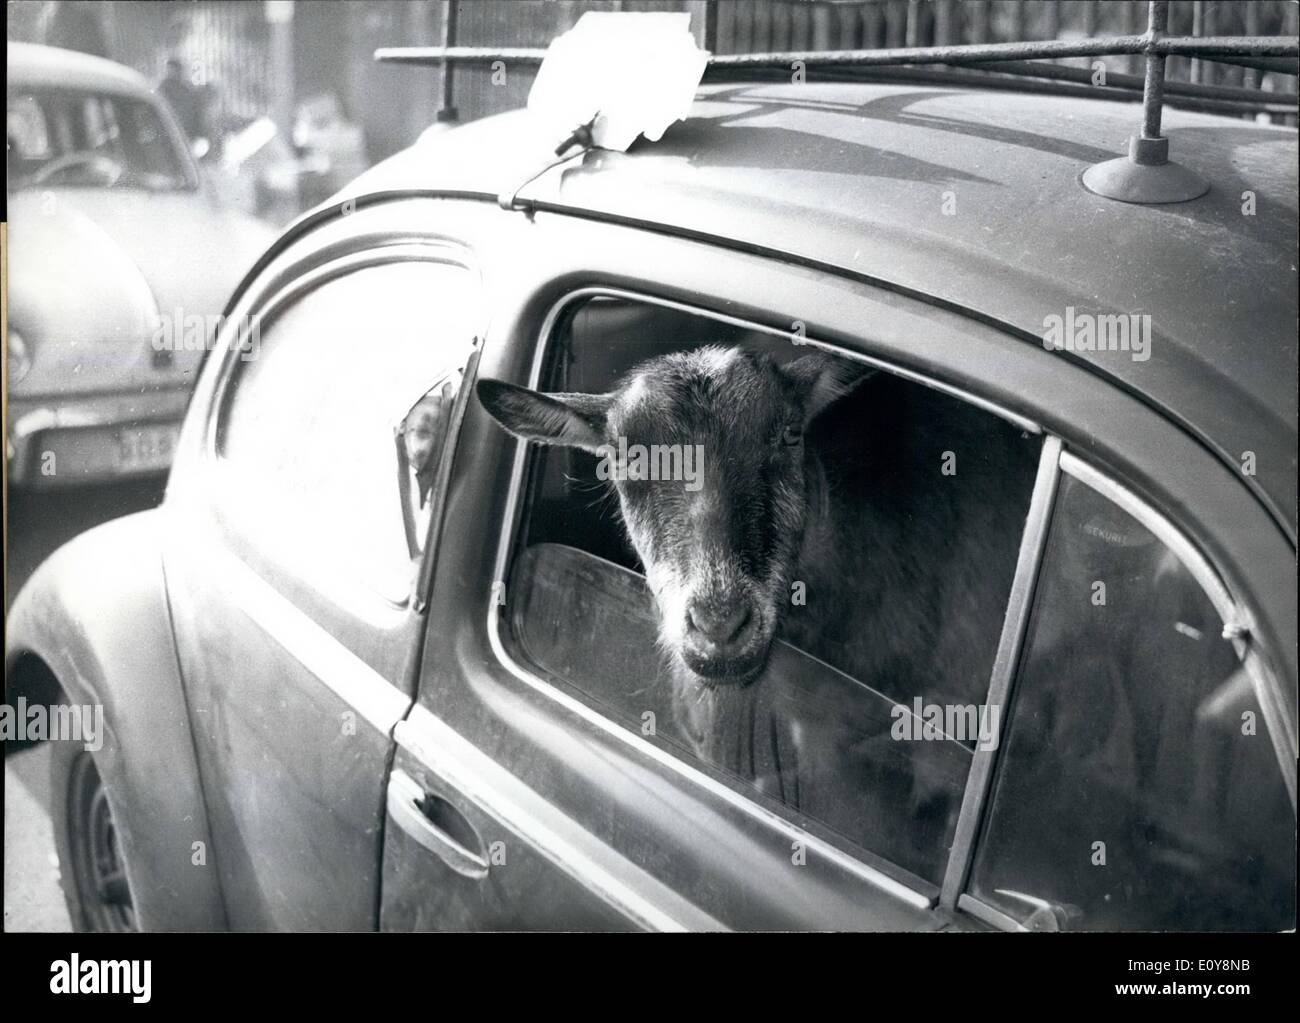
[(422, 55), (1233, 49), (989, 77), (1277, 65), (1063, 72), (1207, 48), (446, 77), (1213, 47), (1153, 91)]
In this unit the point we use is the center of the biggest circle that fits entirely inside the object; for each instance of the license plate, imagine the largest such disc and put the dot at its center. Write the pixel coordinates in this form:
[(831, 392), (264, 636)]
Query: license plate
[(103, 452), (146, 448)]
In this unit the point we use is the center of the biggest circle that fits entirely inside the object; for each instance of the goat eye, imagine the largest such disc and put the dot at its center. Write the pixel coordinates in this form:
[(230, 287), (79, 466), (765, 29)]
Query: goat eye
[(791, 435)]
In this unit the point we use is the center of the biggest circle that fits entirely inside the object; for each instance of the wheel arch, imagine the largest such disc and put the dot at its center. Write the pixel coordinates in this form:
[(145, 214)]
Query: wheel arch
[(92, 627)]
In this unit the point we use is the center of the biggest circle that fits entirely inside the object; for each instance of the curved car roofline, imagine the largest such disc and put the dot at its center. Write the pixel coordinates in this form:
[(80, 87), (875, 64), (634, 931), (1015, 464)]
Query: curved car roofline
[(36, 65), (850, 178)]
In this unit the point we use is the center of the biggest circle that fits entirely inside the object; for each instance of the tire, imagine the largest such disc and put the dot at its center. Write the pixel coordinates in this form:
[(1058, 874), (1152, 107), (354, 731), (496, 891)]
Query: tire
[(92, 870)]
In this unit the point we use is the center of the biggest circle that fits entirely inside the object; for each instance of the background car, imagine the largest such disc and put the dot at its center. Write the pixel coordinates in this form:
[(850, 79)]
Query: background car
[(119, 261), (446, 715)]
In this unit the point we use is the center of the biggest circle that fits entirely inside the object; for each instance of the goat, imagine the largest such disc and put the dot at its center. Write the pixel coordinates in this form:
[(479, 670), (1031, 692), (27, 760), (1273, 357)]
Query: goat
[(870, 522), (904, 569)]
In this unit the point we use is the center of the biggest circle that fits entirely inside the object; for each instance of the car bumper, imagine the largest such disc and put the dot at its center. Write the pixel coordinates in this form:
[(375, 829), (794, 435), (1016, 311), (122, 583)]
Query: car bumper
[(55, 442)]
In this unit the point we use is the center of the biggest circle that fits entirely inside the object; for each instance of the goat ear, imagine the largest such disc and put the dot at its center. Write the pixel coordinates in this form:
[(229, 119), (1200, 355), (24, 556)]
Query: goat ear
[(824, 379), (567, 420)]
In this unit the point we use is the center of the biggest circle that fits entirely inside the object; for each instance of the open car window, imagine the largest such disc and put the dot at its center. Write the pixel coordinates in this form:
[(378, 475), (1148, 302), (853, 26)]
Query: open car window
[(834, 731)]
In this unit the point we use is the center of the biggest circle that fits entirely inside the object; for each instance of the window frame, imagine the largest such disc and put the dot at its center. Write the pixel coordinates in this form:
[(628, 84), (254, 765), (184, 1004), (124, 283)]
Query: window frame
[(864, 864), (351, 594), (1055, 458), (1238, 628), (173, 135)]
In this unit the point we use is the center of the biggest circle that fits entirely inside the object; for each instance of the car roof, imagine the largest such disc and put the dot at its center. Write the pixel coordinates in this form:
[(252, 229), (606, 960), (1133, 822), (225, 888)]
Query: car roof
[(33, 65), (971, 199)]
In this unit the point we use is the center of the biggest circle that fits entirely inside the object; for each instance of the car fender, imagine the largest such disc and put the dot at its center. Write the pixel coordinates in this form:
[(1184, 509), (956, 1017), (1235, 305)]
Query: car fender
[(96, 615)]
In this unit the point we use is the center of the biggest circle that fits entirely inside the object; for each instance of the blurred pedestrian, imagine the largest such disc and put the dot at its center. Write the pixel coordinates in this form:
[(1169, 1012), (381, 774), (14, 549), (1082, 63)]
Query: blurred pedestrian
[(188, 101)]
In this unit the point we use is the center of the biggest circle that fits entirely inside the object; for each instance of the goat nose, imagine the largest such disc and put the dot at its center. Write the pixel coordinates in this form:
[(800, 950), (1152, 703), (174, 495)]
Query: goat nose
[(719, 623)]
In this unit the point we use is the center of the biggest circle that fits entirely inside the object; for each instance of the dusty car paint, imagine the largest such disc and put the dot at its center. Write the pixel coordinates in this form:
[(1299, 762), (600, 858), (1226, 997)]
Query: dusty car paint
[(95, 615)]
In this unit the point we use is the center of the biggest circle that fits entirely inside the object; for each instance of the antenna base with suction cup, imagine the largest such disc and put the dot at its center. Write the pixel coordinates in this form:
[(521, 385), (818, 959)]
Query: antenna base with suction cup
[(1145, 176)]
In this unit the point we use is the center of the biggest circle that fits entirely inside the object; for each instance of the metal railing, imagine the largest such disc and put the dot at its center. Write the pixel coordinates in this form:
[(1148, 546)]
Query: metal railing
[(1000, 63), (1146, 175)]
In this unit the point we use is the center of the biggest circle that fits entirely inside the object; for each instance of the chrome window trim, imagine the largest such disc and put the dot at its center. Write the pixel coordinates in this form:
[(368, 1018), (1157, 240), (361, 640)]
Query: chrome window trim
[(985, 913), (845, 861), (1015, 624), (798, 341)]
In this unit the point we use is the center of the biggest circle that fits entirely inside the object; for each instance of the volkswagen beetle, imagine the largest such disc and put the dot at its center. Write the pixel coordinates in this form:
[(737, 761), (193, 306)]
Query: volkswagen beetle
[(374, 663)]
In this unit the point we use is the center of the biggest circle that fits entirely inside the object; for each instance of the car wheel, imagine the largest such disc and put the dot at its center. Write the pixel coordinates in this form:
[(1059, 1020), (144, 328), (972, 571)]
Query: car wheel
[(92, 868)]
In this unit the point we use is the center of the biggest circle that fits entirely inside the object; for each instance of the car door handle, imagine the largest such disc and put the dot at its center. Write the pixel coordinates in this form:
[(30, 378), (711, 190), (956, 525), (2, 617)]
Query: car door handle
[(408, 806)]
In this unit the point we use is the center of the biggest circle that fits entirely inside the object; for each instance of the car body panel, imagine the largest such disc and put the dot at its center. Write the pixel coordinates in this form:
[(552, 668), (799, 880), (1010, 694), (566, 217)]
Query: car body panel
[(854, 177), (293, 768), (293, 694), (96, 614), (349, 665)]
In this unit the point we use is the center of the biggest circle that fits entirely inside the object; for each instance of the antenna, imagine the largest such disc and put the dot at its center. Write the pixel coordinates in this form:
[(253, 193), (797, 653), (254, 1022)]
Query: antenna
[(1147, 176)]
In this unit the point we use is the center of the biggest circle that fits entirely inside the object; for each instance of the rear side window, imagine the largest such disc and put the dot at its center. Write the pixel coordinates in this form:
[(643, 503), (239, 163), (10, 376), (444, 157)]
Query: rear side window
[(1137, 787), (338, 414), (838, 729)]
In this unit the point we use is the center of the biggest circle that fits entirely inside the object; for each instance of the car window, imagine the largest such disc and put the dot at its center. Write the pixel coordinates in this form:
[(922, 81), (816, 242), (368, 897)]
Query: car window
[(90, 140), (338, 414), (1137, 787), (839, 729)]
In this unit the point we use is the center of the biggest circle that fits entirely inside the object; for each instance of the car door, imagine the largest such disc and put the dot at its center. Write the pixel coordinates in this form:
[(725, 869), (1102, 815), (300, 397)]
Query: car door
[(533, 725), (524, 795), (296, 519), (1141, 782)]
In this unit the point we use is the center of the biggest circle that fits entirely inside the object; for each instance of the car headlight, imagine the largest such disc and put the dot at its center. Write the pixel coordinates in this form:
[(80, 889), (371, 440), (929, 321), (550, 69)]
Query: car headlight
[(20, 358)]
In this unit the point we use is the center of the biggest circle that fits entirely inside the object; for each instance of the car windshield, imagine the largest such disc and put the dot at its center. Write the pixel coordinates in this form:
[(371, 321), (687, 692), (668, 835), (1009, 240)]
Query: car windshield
[(89, 140)]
